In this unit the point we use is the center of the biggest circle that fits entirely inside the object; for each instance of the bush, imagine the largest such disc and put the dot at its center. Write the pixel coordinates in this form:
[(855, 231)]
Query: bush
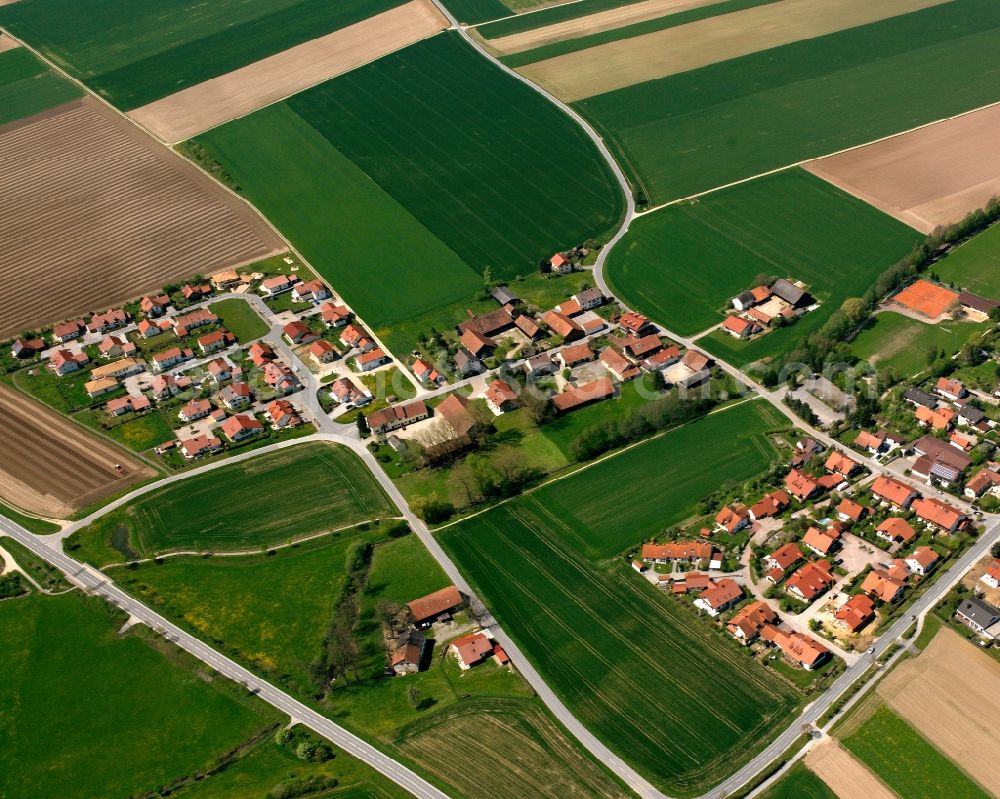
[(434, 510)]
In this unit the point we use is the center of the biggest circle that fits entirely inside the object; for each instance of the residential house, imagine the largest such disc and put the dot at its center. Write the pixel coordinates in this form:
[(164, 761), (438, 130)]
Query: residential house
[(467, 364), (783, 558), (950, 389), (369, 361), (822, 542), (855, 613), (298, 332), (241, 426), (131, 403), (720, 597), (215, 341), (738, 327), (743, 301), (936, 513), (573, 398), (148, 329), (802, 650), (200, 317), (396, 416), (427, 373), (26, 347), (895, 530), (681, 550), (560, 264), (408, 654), (334, 315), (166, 386), (992, 575), (236, 396), (732, 518), (840, 464), (170, 357), (800, 485), (850, 511), (196, 447), (770, 505), (119, 369), (220, 370), (981, 616), (971, 416), (107, 321), (279, 284), (661, 359), (282, 414), (346, 391), (280, 377), (196, 293), (810, 580), (643, 346), (311, 291), (619, 365), (892, 492), (878, 583), (569, 308), (540, 365), (67, 331), (589, 298), (937, 418), (116, 347), (261, 353), (437, 606), (471, 650), (746, 624), (224, 280), (922, 561), (354, 337), (63, 362), (323, 351), (873, 442), (500, 397), (575, 355), (154, 305), (195, 409), (478, 345), (635, 324), (562, 326)]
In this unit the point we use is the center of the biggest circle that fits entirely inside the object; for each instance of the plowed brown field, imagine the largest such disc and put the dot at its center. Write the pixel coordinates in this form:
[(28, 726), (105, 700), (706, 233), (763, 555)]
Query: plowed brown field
[(951, 696), (93, 212), (927, 177), (51, 467), (845, 776)]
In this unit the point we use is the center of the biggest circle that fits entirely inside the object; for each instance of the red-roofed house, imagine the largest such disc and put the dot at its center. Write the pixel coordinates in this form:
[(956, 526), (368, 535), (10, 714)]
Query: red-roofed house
[(573, 398), (576, 355), (279, 284), (298, 332), (619, 365), (873, 442), (800, 485), (892, 492), (992, 575), (856, 612), (732, 518), (838, 463), (950, 389), (281, 414), (562, 325), (739, 328), (334, 315), (770, 505), (561, 265), (500, 397), (922, 561), (850, 511), (62, 362), (879, 584), (195, 409), (783, 557), (810, 581), (67, 331), (241, 426), (747, 623), (801, 649), (822, 542), (938, 514), (193, 448), (471, 650), (722, 596), (895, 530), (323, 351)]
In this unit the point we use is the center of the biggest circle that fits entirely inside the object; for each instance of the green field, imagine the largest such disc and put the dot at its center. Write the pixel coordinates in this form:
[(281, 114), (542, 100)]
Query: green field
[(906, 761), (904, 345), (472, 11), (607, 508), (489, 166), (556, 13), (627, 32), (668, 694), (77, 702), (682, 264), (708, 127), (267, 500), (29, 523), (975, 266), (135, 51), (240, 319), (28, 87), (799, 783)]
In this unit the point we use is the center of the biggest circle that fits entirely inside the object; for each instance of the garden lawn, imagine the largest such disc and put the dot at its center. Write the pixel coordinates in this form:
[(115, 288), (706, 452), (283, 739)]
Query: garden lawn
[(135, 51), (799, 783), (707, 127), (907, 346), (906, 761), (267, 500), (240, 319), (490, 167), (77, 702), (338, 218), (138, 433), (975, 266), (675, 699), (28, 87), (681, 265), (617, 503)]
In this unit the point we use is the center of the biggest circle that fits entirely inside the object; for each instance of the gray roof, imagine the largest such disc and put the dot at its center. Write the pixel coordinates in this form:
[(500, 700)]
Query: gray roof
[(745, 298), (503, 295), (789, 292), (463, 358), (972, 414), (919, 397), (588, 295), (981, 613)]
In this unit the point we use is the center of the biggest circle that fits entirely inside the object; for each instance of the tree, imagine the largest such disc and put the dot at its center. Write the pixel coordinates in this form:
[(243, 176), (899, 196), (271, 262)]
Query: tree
[(488, 276), (854, 310), (659, 381), (413, 696), (389, 615), (465, 484), (362, 425), (435, 510), (537, 407), (995, 550), (544, 266), (305, 750)]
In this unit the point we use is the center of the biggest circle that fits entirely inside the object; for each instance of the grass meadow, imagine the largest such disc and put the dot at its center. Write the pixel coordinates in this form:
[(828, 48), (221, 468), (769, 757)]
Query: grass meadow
[(490, 167), (907, 346), (260, 502), (799, 783), (77, 701), (975, 266), (604, 509), (240, 319), (29, 523), (135, 51), (705, 128), (619, 653), (682, 264), (906, 761), (29, 87)]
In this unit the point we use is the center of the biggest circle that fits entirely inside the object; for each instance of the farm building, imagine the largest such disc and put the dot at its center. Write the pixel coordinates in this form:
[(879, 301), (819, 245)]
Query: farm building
[(437, 605)]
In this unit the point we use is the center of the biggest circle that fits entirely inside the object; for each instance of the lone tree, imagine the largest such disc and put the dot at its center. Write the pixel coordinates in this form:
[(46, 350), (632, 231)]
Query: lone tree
[(363, 427)]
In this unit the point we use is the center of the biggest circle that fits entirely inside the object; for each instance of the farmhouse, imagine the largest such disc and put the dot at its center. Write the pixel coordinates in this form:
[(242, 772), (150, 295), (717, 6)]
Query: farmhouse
[(193, 448), (589, 298), (855, 613), (527, 325), (334, 315), (236, 396), (635, 323), (504, 296), (436, 606), (500, 397), (345, 390), (721, 596), (810, 581), (487, 325), (427, 373), (892, 492), (938, 452), (793, 294), (323, 351), (822, 542), (616, 363), (800, 485), (747, 623), (696, 361), (922, 561), (396, 416), (938, 514), (107, 321), (801, 649), (298, 332), (560, 264), (540, 365), (455, 409), (466, 363), (573, 398), (738, 327), (878, 583), (643, 347), (662, 359), (562, 326), (369, 361), (895, 530), (569, 308), (575, 355), (273, 286), (978, 615), (732, 518), (62, 362), (471, 650), (409, 652), (241, 426), (770, 505), (478, 345)]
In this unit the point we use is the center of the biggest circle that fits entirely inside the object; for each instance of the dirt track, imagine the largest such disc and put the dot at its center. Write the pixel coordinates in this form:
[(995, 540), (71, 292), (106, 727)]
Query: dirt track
[(615, 65), (95, 212), (951, 696), (925, 178), (198, 108), (845, 776), (593, 23), (52, 467)]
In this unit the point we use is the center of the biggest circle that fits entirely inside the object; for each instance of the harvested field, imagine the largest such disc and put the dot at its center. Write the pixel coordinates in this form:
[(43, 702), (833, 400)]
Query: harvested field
[(593, 23), (107, 214), (926, 298), (618, 64), (206, 105), (6, 43), (848, 778), (951, 696), (51, 467), (928, 177)]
